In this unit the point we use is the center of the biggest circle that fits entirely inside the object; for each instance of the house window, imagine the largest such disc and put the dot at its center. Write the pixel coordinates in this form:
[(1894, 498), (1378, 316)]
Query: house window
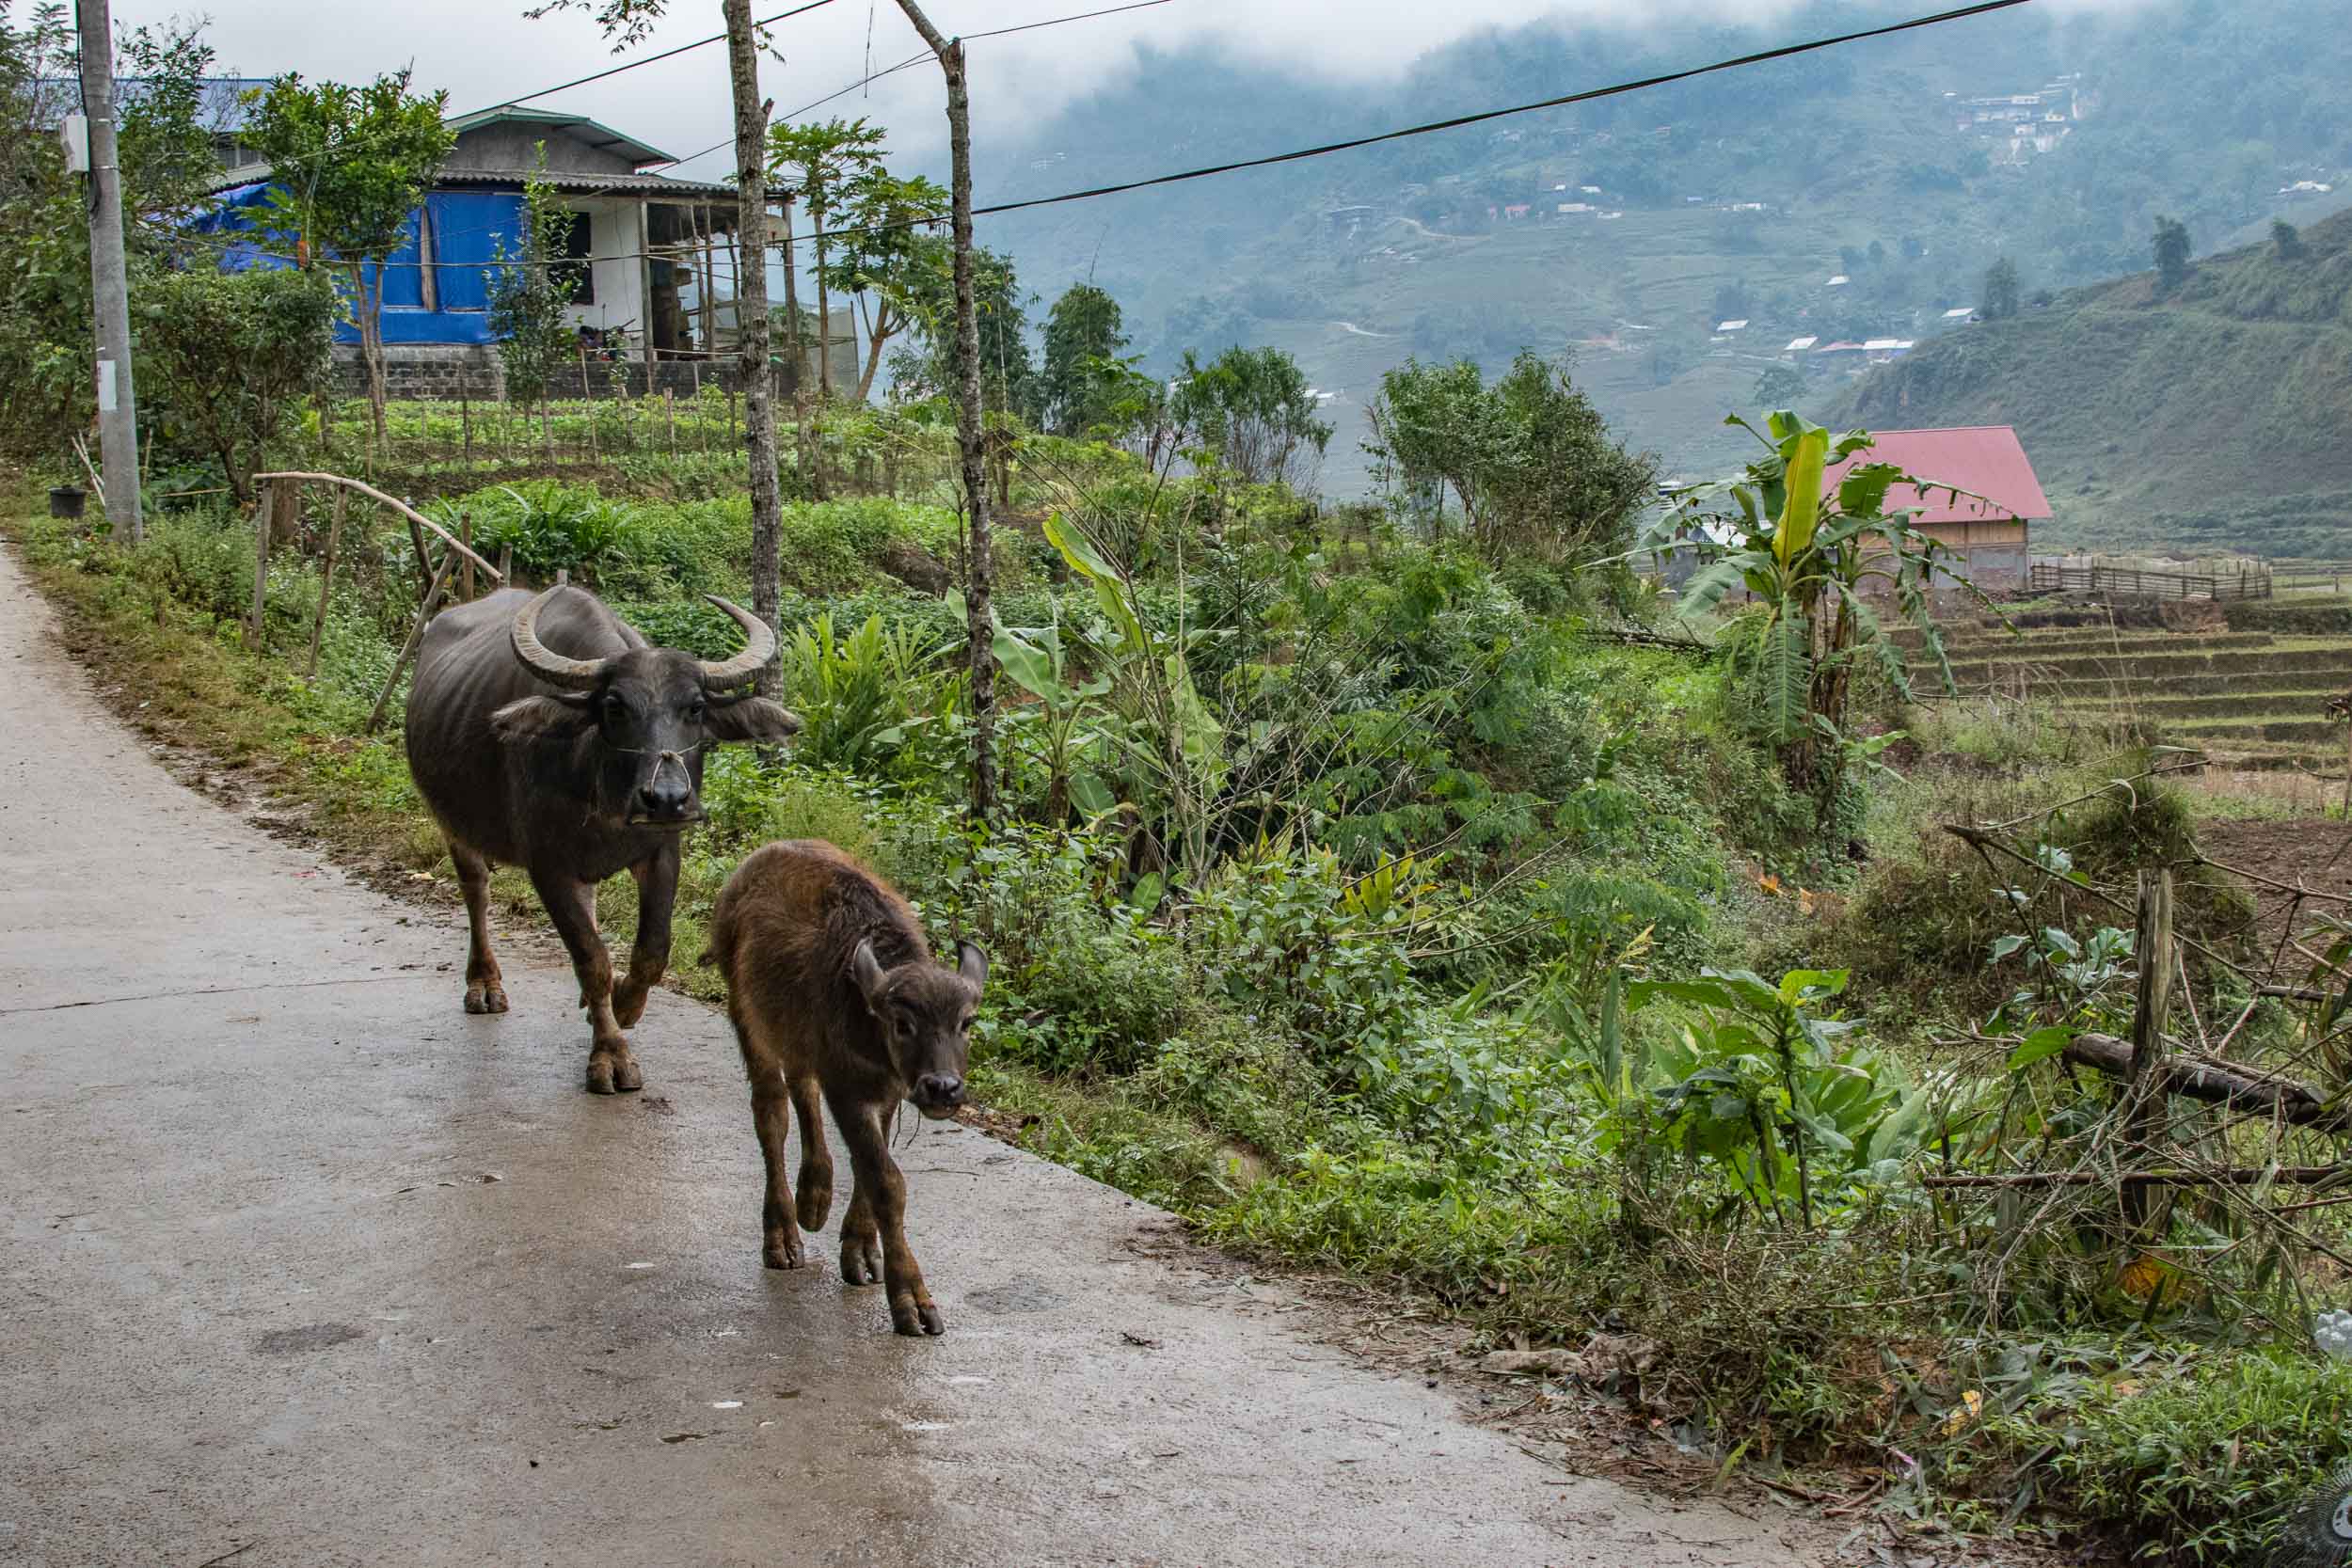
[(577, 271)]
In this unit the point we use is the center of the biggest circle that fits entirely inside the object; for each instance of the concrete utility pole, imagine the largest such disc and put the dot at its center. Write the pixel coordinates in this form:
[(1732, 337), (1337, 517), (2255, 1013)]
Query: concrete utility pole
[(118, 410)]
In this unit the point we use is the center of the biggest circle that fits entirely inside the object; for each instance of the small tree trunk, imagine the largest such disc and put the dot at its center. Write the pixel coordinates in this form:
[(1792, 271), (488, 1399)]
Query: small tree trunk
[(824, 317), (878, 331), (751, 316), (371, 306), (2144, 1118), (968, 436)]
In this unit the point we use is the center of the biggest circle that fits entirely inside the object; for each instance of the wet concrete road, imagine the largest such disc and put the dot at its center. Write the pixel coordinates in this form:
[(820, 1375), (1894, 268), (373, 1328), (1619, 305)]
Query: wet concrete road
[(306, 1267)]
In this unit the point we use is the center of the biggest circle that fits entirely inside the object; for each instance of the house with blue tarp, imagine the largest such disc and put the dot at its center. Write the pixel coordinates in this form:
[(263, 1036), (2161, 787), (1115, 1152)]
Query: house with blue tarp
[(653, 257)]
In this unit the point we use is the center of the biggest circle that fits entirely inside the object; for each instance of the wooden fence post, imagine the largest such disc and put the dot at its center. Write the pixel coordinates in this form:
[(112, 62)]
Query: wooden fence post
[(424, 560), (506, 565), (416, 635), (588, 402), (465, 537), (2144, 1091), (264, 512), (327, 580)]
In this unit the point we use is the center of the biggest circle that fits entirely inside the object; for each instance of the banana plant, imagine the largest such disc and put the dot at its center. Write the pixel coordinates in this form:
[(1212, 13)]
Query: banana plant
[(1069, 723), (1813, 556), (1172, 739)]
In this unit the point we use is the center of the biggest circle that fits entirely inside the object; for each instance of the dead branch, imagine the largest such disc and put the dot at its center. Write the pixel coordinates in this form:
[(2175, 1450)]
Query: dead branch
[(2235, 1087), (2242, 1176)]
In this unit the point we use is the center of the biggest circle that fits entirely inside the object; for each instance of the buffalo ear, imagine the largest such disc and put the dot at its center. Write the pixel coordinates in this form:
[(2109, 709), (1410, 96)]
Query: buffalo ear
[(749, 719), (542, 717), (972, 964), (866, 971)]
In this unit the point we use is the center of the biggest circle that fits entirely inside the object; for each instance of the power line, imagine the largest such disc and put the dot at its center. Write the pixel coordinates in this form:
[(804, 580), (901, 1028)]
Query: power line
[(1614, 90), (341, 149), (649, 59), (917, 60)]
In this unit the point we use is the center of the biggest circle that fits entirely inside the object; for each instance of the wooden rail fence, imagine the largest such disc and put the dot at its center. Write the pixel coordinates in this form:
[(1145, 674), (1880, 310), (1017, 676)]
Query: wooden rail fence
[(2131, 582), (281, 492)]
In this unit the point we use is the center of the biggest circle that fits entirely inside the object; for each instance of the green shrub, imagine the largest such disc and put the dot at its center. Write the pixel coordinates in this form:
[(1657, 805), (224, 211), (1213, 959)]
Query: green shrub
[(2193, 1456)]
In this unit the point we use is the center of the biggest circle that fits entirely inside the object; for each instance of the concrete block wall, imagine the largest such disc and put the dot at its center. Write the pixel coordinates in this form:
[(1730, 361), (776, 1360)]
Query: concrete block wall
[(438, 372)]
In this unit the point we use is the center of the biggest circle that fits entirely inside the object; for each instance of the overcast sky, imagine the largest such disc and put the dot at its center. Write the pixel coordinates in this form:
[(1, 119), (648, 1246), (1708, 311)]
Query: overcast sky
[(481, 52)]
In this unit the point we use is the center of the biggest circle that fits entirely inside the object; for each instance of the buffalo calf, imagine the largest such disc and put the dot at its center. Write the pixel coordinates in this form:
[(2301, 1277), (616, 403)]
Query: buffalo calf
[(834, 993)]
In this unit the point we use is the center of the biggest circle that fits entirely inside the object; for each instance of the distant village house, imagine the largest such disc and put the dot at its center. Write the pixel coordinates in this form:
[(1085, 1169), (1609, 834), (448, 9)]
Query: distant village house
[(1992, 536)]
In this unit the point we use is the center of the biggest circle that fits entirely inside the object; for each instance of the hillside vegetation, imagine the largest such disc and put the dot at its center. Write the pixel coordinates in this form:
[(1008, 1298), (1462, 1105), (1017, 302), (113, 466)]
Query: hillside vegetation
[(1405, 896), (2209, 418), (1853, 156)]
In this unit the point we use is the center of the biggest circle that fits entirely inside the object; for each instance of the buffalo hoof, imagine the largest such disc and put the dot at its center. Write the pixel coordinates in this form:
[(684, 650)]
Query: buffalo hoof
[(911, 1317), (486, 999), (627, 1007), (860, 1260), (784, 1250), (815, 1199), (613, 1075)]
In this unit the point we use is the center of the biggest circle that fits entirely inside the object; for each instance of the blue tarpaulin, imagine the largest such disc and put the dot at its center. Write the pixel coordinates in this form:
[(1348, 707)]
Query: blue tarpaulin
[(466, 230)]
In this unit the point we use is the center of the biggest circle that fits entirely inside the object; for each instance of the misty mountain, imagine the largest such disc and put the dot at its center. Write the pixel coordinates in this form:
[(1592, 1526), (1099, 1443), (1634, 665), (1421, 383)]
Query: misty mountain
[(1627, 231)]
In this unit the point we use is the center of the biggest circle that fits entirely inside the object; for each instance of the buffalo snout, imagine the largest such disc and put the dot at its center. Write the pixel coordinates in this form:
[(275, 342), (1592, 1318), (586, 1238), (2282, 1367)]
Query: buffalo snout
[(663, 801), (938, 1094)]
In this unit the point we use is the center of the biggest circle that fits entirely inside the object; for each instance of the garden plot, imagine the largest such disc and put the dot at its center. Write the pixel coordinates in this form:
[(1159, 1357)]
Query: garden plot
[(2253, 699)]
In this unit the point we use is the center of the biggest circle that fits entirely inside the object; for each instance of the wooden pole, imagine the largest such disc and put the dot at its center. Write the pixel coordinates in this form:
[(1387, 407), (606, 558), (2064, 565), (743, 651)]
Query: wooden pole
[(465, 537), (416, 520), (506, 565), (424, 557), (416, 635), (588, 402), (980, 641), (2144, 1089), (264, 511), (465, 416), (327, 580)]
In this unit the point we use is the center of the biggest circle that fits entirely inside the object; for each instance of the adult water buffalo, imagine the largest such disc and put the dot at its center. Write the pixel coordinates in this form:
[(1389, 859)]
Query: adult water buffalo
[(545, 733)]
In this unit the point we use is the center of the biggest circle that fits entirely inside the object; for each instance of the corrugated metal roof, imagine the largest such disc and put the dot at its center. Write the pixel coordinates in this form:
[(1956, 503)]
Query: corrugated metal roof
[(595, 133), (1987, 460), (574, 183), (585, 185)]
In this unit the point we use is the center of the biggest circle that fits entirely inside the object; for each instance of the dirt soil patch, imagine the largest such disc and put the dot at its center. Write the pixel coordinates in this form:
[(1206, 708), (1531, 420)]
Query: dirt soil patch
[(2276, 859)]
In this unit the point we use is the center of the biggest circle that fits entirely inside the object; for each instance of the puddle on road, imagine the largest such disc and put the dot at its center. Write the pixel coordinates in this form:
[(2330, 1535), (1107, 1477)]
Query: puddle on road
[(294, 1341)]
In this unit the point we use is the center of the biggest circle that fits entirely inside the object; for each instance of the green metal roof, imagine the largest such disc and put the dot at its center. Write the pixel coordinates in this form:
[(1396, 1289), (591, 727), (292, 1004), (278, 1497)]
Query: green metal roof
[(594, 133)]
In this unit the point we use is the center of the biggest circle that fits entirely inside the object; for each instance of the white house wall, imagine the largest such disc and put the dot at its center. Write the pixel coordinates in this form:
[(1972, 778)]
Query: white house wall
[(616, 246)]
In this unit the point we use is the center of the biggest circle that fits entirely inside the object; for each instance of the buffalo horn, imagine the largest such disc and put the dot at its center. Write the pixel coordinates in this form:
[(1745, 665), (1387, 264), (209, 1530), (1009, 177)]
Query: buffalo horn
[(573, 675), (759, 646)]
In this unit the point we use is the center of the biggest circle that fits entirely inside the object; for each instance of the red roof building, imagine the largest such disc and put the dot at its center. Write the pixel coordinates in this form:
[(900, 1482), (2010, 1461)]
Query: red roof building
[(1995, 534)]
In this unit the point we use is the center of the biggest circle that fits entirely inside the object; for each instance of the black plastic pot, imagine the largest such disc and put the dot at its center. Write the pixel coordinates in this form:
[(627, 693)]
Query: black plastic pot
[(66, 500)]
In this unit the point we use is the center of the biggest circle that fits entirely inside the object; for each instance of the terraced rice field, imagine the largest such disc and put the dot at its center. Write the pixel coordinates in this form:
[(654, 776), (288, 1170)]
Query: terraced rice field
[(2250, 699)]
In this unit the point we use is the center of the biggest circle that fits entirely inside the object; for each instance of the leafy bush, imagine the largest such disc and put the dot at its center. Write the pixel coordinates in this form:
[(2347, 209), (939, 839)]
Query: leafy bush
[(831, 547), (550, 527), (2196, 1456)]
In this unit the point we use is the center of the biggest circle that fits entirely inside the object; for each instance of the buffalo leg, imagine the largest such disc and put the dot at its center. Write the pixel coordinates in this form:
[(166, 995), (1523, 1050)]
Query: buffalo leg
[(779, 1239), (816, 1157), (572, 905), (649, 954), (485, 987), (879, 1202)]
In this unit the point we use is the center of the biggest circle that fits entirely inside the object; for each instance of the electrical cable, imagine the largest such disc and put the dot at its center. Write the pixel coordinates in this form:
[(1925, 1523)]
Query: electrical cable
[(1589, 95)]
